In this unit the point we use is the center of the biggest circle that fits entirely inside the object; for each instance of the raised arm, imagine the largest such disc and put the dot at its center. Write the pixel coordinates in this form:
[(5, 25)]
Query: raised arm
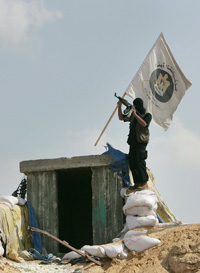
[(120, 110), (139, 119)]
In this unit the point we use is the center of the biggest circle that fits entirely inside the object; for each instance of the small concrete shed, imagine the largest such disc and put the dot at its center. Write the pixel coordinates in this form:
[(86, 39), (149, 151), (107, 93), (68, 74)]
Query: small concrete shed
[(75, 199)]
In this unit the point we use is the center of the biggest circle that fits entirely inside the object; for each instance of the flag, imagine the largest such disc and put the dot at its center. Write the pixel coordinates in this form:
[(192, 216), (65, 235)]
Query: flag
[(160, 83)]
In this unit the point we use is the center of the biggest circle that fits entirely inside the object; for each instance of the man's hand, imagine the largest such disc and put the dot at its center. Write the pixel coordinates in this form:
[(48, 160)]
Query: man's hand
[(134, 111), (119, 103)]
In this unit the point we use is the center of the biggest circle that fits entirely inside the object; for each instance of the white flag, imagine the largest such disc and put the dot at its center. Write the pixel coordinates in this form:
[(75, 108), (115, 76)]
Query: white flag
[(160, 83)]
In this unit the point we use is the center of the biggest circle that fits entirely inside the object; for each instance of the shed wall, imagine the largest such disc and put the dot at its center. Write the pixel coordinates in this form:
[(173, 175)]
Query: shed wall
[(42, 194), (106, 205)]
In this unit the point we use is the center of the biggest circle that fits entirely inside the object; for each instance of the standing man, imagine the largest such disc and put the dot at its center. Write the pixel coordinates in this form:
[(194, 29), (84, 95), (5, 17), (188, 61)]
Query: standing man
[(138, 139)]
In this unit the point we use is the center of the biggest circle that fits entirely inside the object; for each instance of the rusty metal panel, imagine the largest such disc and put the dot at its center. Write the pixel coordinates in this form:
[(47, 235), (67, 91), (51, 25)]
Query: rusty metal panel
[(42, 194), (106, 205)]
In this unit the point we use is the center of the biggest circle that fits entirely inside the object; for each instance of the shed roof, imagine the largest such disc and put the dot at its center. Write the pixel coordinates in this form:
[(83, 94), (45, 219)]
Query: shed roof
[(65, 163)]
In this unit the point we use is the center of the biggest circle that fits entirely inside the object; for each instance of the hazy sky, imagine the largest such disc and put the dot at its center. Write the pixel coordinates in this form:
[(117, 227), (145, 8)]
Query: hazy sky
[(62, 62)]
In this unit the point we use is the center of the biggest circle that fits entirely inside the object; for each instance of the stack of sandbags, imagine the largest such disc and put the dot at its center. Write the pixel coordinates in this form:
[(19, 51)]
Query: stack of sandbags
[(140, 209)]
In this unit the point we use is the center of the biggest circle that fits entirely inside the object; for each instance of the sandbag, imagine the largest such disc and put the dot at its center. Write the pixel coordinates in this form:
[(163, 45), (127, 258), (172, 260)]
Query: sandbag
[(115, 250), (95, 250), (147, 192), (130, 233), (133, 222), (140, 243), (9, 200), (141, 211), (21, 201), (138, 200), (71, 255), (123, 193)]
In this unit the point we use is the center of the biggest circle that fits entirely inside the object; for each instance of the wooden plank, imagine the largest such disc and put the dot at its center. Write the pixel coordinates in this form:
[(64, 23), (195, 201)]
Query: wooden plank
[(42, 194)]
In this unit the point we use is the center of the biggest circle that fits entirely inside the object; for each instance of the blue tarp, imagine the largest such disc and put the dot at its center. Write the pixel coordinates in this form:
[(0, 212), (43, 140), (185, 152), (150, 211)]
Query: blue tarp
[(36, 237), (120, 164)]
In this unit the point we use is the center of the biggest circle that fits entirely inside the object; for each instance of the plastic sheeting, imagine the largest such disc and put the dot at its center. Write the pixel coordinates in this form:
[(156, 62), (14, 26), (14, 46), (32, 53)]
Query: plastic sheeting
[(120, 164), (36, 237)]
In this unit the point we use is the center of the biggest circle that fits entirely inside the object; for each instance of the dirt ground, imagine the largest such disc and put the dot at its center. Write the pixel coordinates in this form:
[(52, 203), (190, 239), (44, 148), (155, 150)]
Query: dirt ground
[(178, 253)]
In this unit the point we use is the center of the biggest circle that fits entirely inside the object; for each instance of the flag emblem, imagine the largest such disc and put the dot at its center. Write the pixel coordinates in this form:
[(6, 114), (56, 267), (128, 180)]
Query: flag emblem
[(161, 85)]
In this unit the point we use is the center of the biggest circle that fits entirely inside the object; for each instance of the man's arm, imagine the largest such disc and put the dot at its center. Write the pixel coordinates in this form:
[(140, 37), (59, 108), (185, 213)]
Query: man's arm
[(139, 119), (120, 110)]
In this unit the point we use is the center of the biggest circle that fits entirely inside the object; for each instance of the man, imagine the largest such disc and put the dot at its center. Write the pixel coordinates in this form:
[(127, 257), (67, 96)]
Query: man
[(138, 139)]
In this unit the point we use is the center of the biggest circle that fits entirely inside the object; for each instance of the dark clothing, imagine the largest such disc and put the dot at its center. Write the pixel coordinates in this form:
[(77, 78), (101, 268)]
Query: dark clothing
[(138, 139), (135, 129), (137, 156)]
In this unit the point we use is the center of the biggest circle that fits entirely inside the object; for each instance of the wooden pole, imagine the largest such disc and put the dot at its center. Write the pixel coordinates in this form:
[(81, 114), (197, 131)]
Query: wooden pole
[(108, 122), (65, 244)]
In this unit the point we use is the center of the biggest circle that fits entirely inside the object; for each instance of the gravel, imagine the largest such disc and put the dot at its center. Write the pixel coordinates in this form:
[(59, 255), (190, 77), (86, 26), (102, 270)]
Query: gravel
[(41, 268)]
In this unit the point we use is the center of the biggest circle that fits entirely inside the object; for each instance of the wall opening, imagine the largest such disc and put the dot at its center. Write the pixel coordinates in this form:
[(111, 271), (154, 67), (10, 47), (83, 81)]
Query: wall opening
[(75, 207)]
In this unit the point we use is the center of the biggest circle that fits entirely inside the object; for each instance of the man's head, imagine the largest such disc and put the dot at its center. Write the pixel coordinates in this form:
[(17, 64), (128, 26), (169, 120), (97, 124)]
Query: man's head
[(138, 103)]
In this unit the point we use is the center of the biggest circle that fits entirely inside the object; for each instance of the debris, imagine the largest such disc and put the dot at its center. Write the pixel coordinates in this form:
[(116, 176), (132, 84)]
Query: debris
[(85, 255)]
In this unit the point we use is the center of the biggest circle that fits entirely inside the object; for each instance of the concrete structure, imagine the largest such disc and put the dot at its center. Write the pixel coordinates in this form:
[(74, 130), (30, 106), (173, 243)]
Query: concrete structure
[(75, 199)]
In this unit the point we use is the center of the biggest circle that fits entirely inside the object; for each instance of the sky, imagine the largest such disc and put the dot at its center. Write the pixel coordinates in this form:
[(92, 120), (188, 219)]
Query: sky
[(62, 62)]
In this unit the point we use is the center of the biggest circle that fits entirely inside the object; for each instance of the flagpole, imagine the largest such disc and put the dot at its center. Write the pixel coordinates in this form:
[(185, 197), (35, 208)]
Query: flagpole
[(108, 122)]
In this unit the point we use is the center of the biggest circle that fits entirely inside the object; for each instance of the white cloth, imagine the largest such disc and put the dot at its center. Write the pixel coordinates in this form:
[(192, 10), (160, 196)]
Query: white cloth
[(160, 83)]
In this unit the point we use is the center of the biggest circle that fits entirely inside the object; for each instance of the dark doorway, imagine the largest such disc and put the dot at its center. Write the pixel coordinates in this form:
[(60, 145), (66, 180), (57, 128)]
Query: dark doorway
[(75, 207)]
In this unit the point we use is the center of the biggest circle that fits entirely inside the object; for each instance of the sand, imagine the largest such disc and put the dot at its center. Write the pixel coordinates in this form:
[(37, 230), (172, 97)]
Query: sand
[(178, 253)]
